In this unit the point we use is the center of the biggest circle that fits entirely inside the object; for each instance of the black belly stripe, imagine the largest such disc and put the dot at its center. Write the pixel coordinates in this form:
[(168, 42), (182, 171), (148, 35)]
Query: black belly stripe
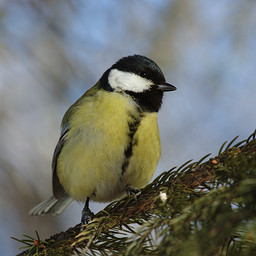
[(133, 127)]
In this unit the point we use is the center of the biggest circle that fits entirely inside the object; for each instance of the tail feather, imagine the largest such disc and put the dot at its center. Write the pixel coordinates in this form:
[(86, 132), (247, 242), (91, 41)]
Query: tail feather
[(52, 206)]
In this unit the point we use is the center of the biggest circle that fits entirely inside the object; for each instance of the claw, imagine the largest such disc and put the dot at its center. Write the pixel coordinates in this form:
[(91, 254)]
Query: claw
[(87, 214), (131, 191)]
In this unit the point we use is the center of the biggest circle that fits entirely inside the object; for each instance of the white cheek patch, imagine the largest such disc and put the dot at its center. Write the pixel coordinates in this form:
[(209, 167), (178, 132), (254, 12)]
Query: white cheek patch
[(125, 81)]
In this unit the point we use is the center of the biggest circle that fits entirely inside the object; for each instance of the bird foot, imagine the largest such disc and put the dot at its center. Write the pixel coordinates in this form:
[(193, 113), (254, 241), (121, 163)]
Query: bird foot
[(87, 216), (131, 191)]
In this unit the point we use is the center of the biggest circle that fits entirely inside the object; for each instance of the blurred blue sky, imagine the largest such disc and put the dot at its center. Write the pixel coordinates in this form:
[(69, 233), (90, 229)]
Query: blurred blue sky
[(50, 53)]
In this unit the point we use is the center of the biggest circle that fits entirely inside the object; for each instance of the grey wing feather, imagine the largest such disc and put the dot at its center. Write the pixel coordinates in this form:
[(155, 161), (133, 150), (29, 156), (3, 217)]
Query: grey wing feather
[(52, 206), (58, 190), (61, 200)]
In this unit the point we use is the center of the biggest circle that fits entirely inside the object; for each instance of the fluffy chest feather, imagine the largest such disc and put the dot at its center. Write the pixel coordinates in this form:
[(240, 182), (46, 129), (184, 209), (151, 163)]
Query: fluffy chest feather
[(111, 144)]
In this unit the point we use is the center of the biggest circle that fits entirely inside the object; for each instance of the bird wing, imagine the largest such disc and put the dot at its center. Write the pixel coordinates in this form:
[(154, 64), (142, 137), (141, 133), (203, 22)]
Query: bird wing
[(58, 190)]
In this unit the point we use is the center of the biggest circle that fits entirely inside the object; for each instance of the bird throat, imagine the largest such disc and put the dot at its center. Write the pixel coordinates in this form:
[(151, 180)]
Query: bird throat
[(149, 101)]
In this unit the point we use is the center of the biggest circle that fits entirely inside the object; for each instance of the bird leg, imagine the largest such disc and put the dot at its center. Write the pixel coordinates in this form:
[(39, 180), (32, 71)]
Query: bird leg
[(87, 214)]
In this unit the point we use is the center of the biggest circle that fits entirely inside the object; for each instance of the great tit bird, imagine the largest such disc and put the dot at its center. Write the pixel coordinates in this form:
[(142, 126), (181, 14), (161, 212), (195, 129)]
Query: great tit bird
[(109, 142)]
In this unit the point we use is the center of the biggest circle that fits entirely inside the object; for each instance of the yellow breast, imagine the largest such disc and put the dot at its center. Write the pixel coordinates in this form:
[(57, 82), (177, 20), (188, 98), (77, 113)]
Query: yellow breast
[(91, 163)]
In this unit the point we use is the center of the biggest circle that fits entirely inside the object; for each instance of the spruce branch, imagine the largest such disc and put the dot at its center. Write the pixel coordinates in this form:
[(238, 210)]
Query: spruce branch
[(209, 209)]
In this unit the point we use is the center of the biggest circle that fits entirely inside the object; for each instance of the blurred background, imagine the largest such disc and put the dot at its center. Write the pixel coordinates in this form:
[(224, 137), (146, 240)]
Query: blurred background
[(52, 51)]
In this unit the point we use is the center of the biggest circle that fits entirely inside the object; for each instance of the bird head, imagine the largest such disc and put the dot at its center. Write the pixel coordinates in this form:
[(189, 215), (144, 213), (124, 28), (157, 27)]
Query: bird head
[(141, 78)]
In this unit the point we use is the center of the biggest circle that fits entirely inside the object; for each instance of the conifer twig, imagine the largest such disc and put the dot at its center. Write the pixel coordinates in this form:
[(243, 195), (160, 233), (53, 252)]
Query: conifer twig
[(202, 176)]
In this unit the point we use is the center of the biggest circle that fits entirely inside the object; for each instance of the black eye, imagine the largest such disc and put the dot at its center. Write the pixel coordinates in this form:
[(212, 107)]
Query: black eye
[(144, 74)]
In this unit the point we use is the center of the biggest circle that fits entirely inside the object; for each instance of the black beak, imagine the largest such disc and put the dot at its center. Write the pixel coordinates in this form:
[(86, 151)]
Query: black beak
[(166, 87)]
